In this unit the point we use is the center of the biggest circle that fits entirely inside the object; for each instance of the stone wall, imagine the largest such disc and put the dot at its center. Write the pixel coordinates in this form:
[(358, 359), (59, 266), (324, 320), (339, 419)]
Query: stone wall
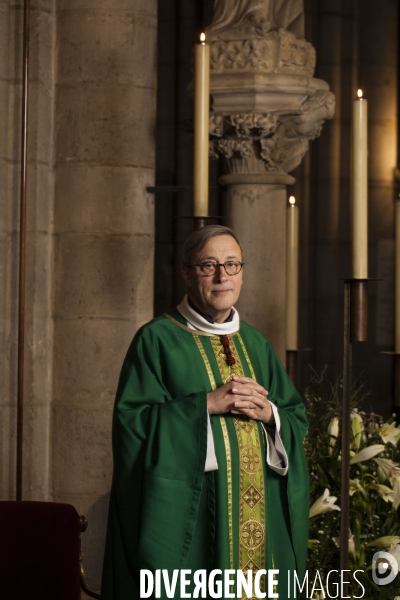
[(7, 257), (90, 247)]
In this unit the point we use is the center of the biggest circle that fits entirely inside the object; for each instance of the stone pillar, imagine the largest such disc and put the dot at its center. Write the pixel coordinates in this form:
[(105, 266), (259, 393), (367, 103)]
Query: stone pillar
[(38, 317), (7, 284), (39, 253), (104, 237), (266, 108), (256, 204)]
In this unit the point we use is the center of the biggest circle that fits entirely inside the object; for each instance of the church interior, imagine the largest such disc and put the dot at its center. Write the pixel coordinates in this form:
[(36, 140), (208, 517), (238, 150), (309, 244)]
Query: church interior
[(109, 203)]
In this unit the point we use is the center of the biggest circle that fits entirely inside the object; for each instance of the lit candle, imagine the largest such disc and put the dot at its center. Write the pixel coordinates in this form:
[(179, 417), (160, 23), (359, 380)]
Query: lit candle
[(292, 274), (201, 127), (397, 336), (360, 187)]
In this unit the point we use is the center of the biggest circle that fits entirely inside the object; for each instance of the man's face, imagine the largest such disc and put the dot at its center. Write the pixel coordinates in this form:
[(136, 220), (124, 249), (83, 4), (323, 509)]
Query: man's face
[(214, 295)]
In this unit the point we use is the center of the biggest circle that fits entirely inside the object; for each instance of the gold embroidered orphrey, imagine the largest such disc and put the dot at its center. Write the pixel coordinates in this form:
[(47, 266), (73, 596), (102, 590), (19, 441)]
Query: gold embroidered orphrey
[(252, 495)]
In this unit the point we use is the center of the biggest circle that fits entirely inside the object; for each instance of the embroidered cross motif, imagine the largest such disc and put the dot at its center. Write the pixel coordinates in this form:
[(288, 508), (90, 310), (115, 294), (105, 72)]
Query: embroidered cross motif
[(251, 496)]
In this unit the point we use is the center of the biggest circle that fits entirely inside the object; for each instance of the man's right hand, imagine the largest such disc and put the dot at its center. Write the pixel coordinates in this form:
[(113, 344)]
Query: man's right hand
[(241, 392)]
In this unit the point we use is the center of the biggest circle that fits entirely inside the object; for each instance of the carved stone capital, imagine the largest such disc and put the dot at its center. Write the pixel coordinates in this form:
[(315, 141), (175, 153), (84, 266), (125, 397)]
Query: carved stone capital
[(278, 51), (256, 179), (267, 105), (275, 141)]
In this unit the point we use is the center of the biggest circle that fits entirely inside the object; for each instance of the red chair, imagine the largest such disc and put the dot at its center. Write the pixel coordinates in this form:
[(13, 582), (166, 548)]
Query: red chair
[(40, 552)]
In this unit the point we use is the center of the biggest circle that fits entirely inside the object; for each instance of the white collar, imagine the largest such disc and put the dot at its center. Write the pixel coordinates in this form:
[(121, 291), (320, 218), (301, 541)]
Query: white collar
[(196, 321)]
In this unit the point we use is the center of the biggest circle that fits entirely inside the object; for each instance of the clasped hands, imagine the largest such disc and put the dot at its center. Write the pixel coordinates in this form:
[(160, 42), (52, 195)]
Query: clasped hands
[(241, 396)]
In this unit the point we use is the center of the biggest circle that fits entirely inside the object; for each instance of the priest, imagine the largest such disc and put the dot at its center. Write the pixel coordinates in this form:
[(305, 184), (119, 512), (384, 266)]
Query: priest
[(209, 467)]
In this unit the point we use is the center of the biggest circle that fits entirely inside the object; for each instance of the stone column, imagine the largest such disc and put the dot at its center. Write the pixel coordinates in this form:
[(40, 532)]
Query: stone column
[(104, 236), (266, 108), (38, 315), (7, 283), (256, 209)]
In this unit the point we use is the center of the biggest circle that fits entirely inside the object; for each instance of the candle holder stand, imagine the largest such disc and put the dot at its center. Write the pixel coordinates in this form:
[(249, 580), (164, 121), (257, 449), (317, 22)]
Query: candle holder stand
[(292, 363), (200, 222), (355, 330)]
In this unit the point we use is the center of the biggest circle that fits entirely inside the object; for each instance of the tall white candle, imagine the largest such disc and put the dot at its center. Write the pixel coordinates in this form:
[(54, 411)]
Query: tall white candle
[(292, 274), (201, 127), (397, 335), (360, 187)]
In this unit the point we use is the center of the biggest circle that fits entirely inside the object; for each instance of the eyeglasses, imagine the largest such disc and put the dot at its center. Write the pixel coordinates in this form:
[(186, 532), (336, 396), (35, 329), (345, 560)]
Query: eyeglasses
[(232, 267)]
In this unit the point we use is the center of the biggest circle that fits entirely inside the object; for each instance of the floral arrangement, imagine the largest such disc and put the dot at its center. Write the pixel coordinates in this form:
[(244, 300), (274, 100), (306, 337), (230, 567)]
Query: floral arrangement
[(374, 487)]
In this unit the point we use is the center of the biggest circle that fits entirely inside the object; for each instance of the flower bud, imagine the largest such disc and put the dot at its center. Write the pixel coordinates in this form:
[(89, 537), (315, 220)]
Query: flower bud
[(333, 431), (357, 428)]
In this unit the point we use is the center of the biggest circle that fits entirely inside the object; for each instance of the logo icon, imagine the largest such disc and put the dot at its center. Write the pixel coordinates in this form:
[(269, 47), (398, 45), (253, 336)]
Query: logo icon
[(383, 562)]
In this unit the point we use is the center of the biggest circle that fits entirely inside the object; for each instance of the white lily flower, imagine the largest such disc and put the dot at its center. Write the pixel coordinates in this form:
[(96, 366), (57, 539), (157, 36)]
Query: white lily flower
[(389, 433), (385, 541), (333, 430), (389, 467), (367, 453), (394, 550), (355, 486), (352, 546), (396, 490), (384, 491), (325, 503), (382, 478)]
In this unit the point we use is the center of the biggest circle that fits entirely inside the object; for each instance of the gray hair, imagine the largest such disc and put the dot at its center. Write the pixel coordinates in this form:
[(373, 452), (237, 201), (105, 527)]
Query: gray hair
[(199, 238)]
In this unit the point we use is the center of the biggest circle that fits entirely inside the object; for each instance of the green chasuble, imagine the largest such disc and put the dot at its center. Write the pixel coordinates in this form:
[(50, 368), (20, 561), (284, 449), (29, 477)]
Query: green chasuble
[(165, 511)]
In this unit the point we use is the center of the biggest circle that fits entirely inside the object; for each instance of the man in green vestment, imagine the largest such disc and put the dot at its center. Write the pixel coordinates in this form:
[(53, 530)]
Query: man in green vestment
[(209, 467)]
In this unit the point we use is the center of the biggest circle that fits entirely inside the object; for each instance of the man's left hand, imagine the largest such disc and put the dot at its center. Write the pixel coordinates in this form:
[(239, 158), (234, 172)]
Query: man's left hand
[(259, 408)]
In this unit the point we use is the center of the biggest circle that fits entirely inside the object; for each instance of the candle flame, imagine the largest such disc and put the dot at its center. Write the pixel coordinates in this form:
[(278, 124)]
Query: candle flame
[(360, 93), (292, 200), (202, 37)]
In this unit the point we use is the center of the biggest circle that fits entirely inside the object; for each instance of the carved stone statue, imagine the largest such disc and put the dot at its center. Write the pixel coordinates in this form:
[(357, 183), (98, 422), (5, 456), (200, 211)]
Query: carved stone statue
[(292, 137), (266, 105), (276, 141), (256, 17)]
